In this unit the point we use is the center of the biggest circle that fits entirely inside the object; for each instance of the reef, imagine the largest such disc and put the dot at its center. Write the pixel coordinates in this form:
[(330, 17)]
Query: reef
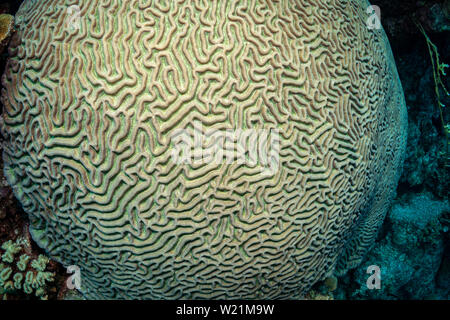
[(397, 17), (409, 252), (424, 182), (25, 271), (426, 153), (91, 131), (415, 228), (6, 29)]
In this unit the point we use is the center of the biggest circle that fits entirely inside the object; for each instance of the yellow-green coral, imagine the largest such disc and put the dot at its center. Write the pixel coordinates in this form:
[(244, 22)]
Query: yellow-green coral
[(10, 250), (22, 263), (21, 272)]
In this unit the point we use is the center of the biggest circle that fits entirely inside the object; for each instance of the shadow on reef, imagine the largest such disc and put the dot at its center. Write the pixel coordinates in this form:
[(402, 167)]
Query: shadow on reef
[(413, 247)]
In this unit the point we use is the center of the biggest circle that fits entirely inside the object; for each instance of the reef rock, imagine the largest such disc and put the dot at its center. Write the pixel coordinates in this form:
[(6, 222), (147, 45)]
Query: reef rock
[(410, 256)]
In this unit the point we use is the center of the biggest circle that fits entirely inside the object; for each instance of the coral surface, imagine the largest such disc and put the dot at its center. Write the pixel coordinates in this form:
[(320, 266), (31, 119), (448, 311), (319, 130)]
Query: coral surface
[(93, 95)]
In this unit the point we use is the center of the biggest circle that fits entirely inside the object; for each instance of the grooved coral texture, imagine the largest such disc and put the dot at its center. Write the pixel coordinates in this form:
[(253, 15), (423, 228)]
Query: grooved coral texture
[(88, 118)]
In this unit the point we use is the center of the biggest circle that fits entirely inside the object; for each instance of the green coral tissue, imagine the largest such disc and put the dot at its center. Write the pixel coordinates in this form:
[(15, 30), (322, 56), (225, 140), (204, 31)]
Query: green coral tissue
[(19, 272)]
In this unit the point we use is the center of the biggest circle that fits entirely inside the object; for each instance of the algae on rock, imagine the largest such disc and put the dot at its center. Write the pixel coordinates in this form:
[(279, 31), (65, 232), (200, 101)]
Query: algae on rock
[(20, 272)]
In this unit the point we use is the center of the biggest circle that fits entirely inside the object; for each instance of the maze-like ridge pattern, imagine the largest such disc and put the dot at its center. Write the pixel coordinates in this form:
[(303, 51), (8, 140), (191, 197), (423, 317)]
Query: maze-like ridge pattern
[(89, 113)]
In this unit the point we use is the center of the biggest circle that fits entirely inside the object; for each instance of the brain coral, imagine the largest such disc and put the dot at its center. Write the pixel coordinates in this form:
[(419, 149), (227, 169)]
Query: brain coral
[(93, 94)]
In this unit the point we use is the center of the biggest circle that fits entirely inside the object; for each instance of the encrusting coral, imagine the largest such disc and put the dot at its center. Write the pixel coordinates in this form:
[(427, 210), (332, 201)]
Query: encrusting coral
[(21, 272)]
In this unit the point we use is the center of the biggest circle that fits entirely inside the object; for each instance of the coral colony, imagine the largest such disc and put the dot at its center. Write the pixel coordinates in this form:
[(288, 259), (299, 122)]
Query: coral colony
[(222, 150)]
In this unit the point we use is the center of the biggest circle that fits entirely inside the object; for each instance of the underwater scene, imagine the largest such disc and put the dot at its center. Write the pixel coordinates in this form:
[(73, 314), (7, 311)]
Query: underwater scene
[(193, 150)]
